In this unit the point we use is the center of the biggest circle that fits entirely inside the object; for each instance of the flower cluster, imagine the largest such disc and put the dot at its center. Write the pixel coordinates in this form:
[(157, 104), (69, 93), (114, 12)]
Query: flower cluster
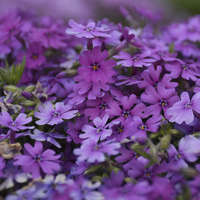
[(98, 111)]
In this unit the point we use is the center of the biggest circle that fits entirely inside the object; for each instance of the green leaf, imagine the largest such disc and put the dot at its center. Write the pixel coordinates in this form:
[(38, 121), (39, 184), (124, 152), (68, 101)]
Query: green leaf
[(92, 169), (165, 142), (12, 75)]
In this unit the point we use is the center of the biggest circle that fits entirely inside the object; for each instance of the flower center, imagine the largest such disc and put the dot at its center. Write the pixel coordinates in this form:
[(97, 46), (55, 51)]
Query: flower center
[(142, 127), (13, 124), (188, 106), (34, 57), (120, 129), (163, 103), (95, 67), (56, 114), (99, 130), (89, 29), (37, 158), (126, 113), (102, 106), (185, 67)]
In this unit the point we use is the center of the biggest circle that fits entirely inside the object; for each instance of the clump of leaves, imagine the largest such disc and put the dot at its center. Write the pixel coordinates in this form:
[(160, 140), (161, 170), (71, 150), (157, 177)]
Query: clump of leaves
[(11, 75)]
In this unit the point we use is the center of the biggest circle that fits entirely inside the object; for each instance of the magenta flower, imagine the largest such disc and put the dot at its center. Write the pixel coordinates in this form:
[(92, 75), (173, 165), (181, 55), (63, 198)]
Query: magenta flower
[(95, 73), (35, 159), (35, 56), (50, 114), (17, 124), (100, 131), (182, 111), (90, 31), (95, 67)]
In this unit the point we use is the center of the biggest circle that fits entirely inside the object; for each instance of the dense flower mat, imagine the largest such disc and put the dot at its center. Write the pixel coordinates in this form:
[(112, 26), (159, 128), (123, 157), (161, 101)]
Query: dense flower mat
[(99, 110)]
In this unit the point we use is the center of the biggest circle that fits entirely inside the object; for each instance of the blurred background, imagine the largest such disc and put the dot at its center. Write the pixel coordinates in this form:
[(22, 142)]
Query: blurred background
[(152, 10)]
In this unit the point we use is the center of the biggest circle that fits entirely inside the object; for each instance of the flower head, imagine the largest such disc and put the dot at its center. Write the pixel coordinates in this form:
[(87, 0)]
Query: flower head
[(90, 31), (17, 124), (50, 114), (182, 111), (92, 152), (189, 147), (100, 131), (35, 159)]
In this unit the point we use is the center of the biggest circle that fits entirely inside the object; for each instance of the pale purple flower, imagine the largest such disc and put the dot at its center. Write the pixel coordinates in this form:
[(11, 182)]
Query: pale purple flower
[(182, 111), (92, 152), (139, 129), (189, 148), (46, 136), (17, 124), (35, 159), (127, 60), (175, 159), (100, 131), (50, 114), (90, 31)]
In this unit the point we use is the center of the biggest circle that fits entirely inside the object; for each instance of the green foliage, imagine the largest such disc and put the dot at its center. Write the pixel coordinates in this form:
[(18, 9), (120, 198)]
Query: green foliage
[(191, 6), (11, 75)]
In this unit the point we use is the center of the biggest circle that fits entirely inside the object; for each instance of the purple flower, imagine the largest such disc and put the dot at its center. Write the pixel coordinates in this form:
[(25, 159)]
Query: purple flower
[(2, 165), (163, 189), (74, 129), (95, 67), (17, 124), (35, 159), (90, 31), (127, 60), (100, 131), (98, 107), (189, 148), (182, 111), (92, 152), (188, 71), (138, 128), (95, 73), (176, 161), (125, 108), (152, 76), (49, 137), (49, 37), (9, 32), (50, 114), (35, 56), (159, 99)]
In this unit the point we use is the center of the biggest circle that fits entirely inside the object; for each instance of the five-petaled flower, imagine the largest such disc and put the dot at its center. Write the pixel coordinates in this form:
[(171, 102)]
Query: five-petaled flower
[(50, 114), (35, 159)]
